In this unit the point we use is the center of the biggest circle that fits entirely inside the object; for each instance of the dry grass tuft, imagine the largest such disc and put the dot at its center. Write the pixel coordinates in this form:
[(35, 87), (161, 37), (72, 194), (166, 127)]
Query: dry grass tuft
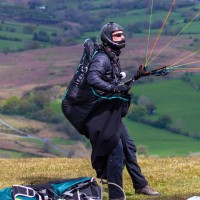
[(175, 178)]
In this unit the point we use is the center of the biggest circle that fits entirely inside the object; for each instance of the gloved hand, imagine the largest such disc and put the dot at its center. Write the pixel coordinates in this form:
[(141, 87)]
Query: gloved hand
[(120, 88)]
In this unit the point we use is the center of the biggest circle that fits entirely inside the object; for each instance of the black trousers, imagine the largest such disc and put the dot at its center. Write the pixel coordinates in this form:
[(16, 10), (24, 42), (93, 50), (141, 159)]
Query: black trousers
[(123, 154)]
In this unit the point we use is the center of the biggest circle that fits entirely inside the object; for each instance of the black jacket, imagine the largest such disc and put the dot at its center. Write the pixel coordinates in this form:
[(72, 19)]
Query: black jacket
[(103, 73)]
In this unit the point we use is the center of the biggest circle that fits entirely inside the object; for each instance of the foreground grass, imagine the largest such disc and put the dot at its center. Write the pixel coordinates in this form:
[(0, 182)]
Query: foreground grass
[(175, 178)]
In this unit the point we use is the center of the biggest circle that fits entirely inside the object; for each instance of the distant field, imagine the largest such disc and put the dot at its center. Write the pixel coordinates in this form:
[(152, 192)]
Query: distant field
[(12, 29), (12, 154), (45, 136), (139, 15), (124, 18), (176, 98), (20, 25), (11, 44), (160, 142)]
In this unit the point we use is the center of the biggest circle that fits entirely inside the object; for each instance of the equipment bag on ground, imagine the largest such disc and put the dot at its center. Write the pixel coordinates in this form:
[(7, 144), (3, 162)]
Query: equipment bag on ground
[(77, 189)]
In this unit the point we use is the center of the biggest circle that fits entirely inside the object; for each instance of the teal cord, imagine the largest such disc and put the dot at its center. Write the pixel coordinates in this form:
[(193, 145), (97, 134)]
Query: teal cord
[(108, 98)]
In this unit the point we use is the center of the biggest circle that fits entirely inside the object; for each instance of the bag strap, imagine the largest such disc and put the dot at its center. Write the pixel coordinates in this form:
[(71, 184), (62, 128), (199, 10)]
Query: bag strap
[(19, 190), (110, 183)]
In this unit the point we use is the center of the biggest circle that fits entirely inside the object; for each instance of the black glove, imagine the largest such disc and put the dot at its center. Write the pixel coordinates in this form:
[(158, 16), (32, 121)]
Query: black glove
[(121, 88)]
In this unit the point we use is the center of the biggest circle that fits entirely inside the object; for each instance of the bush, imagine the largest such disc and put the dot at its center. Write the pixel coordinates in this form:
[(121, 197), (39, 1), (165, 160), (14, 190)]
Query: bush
[(46, 115), (41, 36), (54, 34), (25, 106), (11, 105), (137, 112), (12, 29), (164, 121), (28, 29), (69, 41), (147, 103)]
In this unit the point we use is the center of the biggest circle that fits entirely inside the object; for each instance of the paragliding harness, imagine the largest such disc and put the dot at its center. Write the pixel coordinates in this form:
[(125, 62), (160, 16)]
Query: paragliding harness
[(78, 85), (69, 189)]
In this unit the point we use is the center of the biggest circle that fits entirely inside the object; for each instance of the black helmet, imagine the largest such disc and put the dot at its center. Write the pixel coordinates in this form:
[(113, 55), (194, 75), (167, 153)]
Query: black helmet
[(106, 35)]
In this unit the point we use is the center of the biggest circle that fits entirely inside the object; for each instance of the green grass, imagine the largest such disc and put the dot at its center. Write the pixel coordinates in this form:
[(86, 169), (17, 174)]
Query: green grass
[(195, 79), (61, 141), (24, 37), (175, 178), (56, 105), (18, 35), (140, 15), (189, 28), (10, 44), (16, 154), (38, 144), (186, 9), (10, 154), (19, 26), (175, 98), (161, 142)]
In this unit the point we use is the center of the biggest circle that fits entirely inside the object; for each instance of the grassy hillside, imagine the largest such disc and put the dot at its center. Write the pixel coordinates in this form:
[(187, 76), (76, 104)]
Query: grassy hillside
[(66, 24), (160, 142), (176, 98), (175, 178), (42, 141), (129, 17), (20, 36)]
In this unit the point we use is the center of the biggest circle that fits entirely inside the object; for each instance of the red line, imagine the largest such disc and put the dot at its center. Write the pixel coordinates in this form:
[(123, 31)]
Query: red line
[(163, 24)]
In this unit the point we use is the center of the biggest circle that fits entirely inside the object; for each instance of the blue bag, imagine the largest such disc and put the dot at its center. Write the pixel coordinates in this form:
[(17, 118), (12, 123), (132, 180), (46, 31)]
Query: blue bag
[(77, 189)]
